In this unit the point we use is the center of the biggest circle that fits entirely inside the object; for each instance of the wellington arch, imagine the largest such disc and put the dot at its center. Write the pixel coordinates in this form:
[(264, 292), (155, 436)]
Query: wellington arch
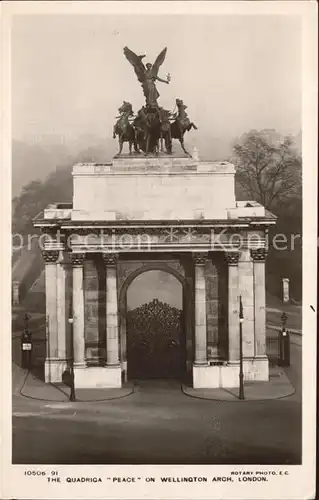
[(139, 213)]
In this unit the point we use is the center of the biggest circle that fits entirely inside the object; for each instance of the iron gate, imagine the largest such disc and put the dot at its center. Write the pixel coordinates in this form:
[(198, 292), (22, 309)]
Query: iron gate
[(155, 348)]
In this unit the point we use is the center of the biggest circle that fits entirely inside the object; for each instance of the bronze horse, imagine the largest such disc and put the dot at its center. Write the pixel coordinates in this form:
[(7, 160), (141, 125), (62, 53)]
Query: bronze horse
[(165, 130), (147, 129), (181, 124), (124, 129)]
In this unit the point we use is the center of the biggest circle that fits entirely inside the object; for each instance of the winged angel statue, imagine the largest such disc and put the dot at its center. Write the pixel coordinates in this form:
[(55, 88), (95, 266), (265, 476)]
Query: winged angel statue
[(147, 75)]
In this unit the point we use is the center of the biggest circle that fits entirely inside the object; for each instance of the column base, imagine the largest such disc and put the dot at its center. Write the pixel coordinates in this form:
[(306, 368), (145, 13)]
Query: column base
[(97, 377), (227, 375), (53, 370)]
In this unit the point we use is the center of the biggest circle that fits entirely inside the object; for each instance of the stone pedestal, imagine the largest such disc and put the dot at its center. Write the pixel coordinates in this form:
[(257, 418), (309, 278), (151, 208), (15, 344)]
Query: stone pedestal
[(97, 377), (153, 188)]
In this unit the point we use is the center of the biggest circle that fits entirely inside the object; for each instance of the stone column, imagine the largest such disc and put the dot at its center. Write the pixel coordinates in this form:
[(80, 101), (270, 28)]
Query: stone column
[(259, 256), (50, 258), (200, 311), (77, 260), (61, 308), (112, 325), (233, 306)]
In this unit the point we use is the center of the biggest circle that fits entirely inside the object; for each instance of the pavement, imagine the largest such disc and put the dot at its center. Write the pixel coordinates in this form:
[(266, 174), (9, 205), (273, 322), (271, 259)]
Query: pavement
[(159, 422), (29, 386), (278, 387), (34, 388)]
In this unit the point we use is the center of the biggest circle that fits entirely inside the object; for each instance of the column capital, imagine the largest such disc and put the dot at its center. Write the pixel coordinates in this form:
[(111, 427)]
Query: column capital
[(199, 259), (110, 259), (50, 256), (258, 254), (77, 259), (232, 258)]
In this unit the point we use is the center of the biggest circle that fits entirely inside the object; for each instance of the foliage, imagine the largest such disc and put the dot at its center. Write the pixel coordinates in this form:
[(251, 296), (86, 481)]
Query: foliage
[(268, 168), (36, 195)]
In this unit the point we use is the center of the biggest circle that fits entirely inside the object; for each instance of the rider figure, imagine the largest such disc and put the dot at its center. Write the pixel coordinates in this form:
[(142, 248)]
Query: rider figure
[(125, 111)]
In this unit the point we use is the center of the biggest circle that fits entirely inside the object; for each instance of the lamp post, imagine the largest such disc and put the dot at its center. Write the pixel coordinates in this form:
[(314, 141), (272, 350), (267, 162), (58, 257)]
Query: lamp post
[(284, 342), (241, 371), (72, 388), (284, 318), (26, 344)]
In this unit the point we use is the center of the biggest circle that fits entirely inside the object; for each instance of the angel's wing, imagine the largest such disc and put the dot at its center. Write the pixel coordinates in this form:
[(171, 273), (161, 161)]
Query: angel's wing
[(158, 62), (136, 62)]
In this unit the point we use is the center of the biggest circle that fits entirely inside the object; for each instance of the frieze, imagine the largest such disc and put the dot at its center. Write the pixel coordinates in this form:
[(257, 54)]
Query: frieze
[(125, 238)]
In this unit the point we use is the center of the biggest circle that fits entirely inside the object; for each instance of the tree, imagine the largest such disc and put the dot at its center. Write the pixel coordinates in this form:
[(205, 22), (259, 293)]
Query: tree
[(268, 168), (36, 195)]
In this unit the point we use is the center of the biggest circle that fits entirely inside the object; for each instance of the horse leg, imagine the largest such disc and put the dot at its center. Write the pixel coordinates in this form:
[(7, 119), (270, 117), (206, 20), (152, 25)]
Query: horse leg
[(135, 144), (130, 147), (169, 142), (168, 145), (121, 142), (181, 140), (148, 137)]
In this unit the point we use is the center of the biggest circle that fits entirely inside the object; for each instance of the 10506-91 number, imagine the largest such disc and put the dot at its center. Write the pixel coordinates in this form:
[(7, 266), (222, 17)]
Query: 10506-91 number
[(34, 473)]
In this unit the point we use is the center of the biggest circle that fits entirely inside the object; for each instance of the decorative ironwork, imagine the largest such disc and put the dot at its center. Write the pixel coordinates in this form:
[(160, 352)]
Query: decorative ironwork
[(50, 256), (154, 344), (232, 258), (110, 259), (77, 259), (258, 254)]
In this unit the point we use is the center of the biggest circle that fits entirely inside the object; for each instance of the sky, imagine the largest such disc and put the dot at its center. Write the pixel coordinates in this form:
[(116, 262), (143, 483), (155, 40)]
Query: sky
[(235, 73)]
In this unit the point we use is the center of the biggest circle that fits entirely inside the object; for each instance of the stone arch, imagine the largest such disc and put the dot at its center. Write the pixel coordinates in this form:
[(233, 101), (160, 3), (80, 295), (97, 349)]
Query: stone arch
[(122, 300)]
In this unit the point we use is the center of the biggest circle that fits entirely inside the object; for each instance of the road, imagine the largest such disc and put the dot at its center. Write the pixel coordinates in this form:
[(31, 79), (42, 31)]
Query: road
[(159, 424)]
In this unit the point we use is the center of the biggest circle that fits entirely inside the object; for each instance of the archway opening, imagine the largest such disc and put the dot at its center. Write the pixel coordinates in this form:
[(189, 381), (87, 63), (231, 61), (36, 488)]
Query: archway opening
[(155, 332)]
